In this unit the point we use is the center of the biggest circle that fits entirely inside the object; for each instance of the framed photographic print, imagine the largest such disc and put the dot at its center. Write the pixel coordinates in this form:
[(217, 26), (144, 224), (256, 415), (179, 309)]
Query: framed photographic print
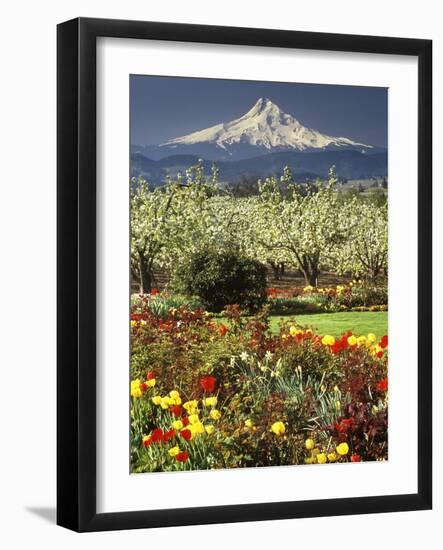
[(244, 274)]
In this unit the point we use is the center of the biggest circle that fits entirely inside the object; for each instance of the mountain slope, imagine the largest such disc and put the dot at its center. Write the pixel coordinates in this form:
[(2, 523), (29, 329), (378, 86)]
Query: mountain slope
[(263, 129)]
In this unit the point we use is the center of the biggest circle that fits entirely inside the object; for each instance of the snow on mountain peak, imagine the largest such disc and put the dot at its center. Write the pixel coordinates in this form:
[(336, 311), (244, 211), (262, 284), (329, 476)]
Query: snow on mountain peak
[(264, 105), (267, 127)]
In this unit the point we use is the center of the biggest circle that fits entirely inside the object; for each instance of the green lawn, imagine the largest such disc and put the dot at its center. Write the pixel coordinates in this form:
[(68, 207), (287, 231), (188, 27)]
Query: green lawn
[(338, 323)]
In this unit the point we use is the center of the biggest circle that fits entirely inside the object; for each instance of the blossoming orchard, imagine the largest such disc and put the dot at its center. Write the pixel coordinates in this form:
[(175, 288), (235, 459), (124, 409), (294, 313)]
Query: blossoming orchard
[(258, 324)]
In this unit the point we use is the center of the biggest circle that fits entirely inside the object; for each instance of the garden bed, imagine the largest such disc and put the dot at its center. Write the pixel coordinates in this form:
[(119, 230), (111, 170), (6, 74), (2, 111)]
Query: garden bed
[(240, 392)]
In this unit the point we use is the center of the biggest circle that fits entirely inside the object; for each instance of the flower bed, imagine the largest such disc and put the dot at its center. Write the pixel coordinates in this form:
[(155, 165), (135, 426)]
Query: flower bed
[(207, 395), (354, 296)]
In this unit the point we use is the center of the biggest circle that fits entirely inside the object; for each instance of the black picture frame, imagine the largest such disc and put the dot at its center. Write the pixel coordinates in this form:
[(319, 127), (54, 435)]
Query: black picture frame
[(76, 280)]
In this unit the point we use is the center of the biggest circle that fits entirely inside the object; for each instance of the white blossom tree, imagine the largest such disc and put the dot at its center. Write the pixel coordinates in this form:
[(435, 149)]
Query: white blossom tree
[(170, 222), (310, 227), (301, 226), (366, 250)]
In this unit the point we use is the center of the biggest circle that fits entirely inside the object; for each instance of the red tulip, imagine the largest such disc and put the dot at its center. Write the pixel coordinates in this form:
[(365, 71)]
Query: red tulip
[(168, 435), (355, 458), (336, 347), (384, 342), (157, 435), (344, 425), (182, 457), (207, 383), (176, 410), (186, 434)]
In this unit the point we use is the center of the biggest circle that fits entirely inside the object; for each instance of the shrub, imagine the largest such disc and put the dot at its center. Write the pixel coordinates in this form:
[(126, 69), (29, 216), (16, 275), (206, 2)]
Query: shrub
[(221, 278), (310, 303), (367, 295), (285, 306)]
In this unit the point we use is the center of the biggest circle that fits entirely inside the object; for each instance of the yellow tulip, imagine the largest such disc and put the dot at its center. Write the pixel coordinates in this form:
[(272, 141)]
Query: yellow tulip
[(175, 397), (342, 449), (135, 388), (193, 418), (328, 340), (293, 331), (215, 414), (321, 458), (190, 406), (309, 444), (352, 340), (278, 428), (361, 340), (196, 428), (210, 401), (173, 451), (177, 425)]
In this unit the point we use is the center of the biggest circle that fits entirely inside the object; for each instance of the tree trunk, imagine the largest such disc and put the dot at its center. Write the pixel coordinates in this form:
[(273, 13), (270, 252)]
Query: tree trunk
[(145, 276), (311, 277), (310, 271), (374, 275), (278, 269)]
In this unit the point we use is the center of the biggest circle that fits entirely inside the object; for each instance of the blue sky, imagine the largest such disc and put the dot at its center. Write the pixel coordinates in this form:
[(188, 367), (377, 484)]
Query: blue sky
[(166, 107)]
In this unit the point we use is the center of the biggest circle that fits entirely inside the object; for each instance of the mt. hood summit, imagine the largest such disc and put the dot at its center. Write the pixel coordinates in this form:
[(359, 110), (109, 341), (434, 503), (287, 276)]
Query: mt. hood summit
[(263, 129)]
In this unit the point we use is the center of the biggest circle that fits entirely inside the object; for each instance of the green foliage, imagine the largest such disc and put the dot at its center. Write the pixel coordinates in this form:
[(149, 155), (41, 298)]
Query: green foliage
[(222, 277), (346, 298), (161, 304), (300, 304), (362, 295)]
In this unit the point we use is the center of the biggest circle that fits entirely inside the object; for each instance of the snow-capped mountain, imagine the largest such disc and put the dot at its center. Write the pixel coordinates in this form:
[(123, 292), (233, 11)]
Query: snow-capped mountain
[(263, 129)]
